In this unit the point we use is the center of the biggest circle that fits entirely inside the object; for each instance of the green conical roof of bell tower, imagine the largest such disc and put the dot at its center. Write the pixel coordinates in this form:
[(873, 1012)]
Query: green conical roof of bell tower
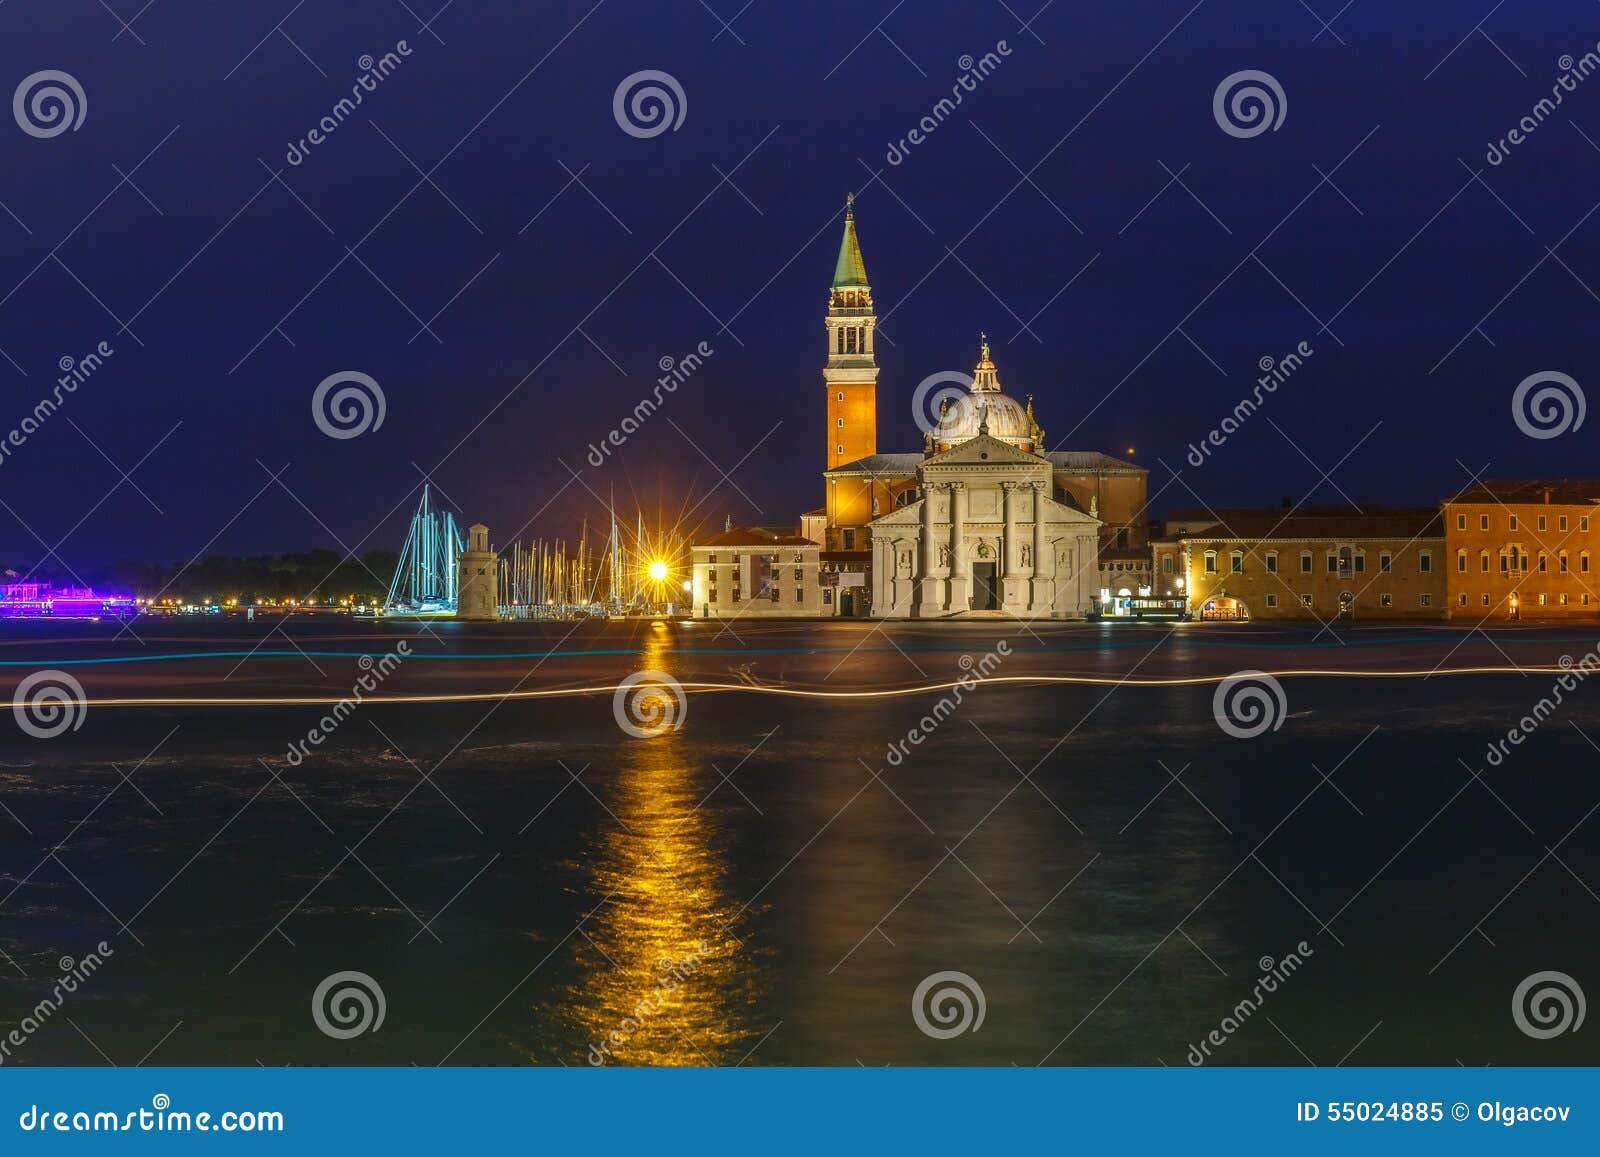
[(850, 270)]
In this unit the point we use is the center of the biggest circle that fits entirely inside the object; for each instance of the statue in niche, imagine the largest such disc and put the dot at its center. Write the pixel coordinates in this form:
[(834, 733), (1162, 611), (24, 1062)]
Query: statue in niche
[(1027, 555), (944, 556), (1094, 506), (1064, 562)]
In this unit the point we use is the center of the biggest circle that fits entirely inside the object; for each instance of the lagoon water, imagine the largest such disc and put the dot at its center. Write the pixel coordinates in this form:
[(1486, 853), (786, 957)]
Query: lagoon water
[(527, 884)]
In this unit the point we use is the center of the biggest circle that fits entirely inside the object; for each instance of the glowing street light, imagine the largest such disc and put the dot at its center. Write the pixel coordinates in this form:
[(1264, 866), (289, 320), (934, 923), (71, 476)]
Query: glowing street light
[(658, 571)]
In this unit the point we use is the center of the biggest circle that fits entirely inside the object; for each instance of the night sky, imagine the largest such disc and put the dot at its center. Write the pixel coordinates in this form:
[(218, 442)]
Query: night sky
[(553, 299)]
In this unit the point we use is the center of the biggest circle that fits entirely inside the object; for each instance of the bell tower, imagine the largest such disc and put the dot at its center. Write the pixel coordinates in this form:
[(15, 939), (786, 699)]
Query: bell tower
[(851, 371)]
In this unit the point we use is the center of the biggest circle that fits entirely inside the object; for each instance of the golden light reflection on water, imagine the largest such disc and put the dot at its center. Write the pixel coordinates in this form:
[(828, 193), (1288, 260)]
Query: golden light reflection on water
[(665, 979)]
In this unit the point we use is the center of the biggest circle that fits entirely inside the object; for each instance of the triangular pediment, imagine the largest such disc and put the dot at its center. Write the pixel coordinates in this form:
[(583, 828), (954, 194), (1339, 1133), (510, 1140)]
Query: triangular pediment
[(908, 515), (985, 450)]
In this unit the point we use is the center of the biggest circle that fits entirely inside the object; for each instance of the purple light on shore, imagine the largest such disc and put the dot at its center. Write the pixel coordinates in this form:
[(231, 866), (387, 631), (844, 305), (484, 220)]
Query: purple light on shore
[(34, 600)]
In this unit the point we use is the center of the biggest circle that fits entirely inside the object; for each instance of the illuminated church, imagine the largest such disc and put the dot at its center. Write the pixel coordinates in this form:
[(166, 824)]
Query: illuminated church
[(983, 518)]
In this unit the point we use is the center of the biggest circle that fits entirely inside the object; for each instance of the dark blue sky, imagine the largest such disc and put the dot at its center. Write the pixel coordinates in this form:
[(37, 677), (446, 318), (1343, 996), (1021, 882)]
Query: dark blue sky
[(802, 101)]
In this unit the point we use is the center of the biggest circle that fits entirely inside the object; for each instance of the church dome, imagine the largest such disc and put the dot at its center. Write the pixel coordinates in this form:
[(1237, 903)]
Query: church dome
[(988, 410)]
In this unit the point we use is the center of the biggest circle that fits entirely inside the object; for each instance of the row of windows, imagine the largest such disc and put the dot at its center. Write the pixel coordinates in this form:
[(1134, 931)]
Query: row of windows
[(1515, 560), (1511, 522), (1384, 600), (1342, 563), (852, 340), (798, 557), (1538, 600), (776, 594)]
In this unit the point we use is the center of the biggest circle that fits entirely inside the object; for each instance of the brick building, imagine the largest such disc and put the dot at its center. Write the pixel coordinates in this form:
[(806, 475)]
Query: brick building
[(1524, 550), (1315, 563)]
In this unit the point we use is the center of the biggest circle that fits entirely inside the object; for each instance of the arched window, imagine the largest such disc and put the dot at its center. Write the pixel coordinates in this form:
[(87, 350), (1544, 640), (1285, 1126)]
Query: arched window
[(1461, 562), (1236, 562)]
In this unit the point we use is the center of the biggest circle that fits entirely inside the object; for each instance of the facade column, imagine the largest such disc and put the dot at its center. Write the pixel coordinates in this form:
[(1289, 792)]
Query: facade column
[(959, 598), (1010, 579), (1044, 555), (930, 598)]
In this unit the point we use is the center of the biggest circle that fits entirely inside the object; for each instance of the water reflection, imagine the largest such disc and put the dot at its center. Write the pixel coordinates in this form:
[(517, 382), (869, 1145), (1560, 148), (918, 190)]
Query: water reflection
[(666, 979)]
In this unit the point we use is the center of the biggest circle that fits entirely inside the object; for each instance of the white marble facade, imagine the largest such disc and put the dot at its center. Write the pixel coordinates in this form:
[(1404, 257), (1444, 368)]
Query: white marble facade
[(986, 535)]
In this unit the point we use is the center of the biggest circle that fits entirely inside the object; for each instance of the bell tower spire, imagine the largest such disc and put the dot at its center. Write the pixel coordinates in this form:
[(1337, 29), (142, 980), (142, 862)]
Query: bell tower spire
[(851, 370)]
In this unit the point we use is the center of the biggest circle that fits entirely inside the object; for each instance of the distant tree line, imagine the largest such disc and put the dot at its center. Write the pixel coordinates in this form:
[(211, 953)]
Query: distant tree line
[(318, 574)]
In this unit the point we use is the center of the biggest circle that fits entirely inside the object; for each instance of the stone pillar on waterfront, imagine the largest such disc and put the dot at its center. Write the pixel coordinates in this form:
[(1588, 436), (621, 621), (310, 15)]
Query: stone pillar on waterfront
[(478, 578)]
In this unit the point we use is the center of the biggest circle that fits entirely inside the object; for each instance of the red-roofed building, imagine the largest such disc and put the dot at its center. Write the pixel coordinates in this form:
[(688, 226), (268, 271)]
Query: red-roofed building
[(760, 572)]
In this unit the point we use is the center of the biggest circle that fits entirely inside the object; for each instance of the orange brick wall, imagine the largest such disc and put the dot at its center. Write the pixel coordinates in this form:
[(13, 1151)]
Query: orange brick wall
[(859, 411), (1464, 531)]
